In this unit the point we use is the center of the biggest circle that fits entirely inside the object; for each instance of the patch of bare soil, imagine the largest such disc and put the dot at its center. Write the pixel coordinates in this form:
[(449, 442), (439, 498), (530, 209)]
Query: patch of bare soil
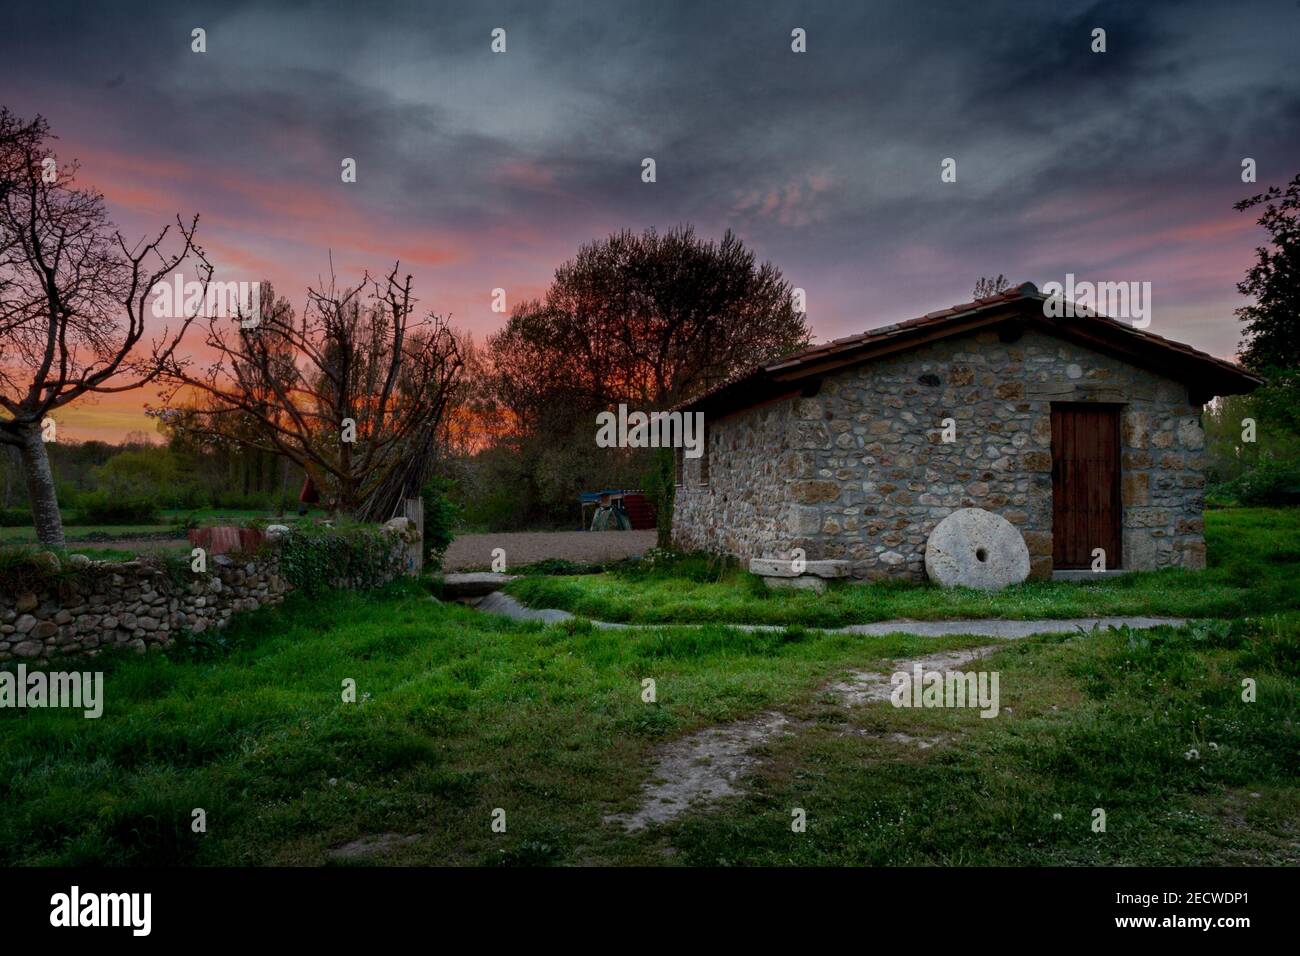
[(703, 768), (527, 547), (367, 847), (898, 737), (864, 687), (1248, 838)]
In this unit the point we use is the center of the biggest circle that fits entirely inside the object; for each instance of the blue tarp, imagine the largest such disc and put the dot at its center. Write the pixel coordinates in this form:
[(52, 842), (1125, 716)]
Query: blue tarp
[(593, 497)]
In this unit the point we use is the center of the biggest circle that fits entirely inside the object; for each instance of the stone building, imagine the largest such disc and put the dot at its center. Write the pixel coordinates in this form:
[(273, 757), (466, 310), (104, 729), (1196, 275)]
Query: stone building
[(1082, 432)]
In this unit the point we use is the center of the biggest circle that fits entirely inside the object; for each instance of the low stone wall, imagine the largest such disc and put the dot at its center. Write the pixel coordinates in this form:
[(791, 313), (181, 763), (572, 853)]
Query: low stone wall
[(94, 605)]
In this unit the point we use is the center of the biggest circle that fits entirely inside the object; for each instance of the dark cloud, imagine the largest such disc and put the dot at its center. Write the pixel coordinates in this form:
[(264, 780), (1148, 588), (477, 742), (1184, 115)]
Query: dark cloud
[(828, 162)]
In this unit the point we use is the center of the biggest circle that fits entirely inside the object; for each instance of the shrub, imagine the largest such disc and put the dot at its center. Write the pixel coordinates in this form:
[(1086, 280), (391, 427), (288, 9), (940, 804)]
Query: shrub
[(28, 568), (15, 517), (702, 567), (1271, 482), (440, 517), (103, 507), (151, 472), (185, 523), (319, 558)]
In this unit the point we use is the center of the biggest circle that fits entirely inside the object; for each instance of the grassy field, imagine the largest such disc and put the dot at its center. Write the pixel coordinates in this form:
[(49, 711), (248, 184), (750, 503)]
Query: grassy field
[(459, 713), (1253, 554), (204, 516)]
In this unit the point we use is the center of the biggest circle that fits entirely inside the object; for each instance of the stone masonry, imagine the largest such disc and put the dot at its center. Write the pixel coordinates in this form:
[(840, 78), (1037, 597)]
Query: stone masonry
[(137, 605), (859, 471)]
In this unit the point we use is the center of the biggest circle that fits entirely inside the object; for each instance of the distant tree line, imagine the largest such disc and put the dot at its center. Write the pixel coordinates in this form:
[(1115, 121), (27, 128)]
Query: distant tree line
[(132, 481)]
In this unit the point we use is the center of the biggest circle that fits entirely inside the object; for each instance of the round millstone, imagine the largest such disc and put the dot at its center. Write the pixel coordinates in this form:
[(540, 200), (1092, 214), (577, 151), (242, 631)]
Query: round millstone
[(975, 548)]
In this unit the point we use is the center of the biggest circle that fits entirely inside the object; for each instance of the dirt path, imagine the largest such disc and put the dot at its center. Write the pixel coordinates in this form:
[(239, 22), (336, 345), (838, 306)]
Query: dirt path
[(138, 545), (475, 550), (699, 770)]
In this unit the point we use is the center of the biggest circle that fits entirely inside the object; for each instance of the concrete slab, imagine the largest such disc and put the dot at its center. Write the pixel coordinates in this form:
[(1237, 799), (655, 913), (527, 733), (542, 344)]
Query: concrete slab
[(1007, 630), (504, 604), (1086, 575), (805, 582), (473, 584)]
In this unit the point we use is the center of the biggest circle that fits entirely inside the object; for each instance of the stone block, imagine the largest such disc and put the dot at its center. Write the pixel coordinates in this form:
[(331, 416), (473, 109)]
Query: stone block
[(1134, 489), (814, 492), (783, 568), (802, 583)]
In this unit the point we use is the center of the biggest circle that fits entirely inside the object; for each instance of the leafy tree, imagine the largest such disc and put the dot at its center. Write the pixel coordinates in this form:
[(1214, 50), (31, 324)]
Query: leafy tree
[(1271, 339), (649, 319), (1264, 470)]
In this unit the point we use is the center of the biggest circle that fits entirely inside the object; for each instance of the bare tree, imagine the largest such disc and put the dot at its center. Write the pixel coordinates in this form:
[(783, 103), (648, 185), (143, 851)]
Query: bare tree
[(986, 286), (73, 296), (354, 392)]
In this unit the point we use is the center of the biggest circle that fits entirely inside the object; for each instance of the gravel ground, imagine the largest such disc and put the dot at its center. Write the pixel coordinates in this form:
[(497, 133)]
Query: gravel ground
[(475, 550)]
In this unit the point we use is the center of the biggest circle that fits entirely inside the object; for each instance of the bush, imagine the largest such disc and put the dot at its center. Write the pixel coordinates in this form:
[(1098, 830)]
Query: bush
[(318, 558), (103, 507), (15, 517), (440, 517), (150, 472), (1271, 482), (701, 567)]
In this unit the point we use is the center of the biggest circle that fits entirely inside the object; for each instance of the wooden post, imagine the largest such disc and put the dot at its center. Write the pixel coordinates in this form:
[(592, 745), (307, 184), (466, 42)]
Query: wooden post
[(415, 553)]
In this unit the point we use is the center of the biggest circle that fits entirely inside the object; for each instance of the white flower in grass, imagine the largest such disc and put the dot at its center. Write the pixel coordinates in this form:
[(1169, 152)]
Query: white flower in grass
[(1192, 754), (1213, 745), (1057, 816)]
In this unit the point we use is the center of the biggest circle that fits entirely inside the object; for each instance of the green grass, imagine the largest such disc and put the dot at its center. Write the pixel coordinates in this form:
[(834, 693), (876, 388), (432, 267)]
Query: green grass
[(1253, 555), (1096, 723), (204, 516), (461, 713), (73, 531)]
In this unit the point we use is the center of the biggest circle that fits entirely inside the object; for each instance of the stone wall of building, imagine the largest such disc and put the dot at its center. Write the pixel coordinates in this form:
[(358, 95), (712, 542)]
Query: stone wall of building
[(860, 472), (94, 605)]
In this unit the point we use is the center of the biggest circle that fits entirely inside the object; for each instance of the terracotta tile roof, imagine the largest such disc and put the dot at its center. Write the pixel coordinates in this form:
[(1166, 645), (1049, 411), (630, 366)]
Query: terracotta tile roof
[(1023, 301)]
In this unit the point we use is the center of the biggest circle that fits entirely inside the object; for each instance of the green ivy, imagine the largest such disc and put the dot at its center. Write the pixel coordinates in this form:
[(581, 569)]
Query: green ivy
[(317, 559), (441, 515)]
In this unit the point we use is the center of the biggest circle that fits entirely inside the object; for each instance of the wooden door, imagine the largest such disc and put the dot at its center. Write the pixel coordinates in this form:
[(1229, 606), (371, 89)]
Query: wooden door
[(1086, 511)]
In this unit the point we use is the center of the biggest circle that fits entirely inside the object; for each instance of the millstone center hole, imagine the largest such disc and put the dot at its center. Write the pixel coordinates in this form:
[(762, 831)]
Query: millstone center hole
[(981, 554)]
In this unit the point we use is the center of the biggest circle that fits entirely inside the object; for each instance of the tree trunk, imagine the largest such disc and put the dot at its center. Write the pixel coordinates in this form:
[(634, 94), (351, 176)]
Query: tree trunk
[(284, 488), (40, 488)]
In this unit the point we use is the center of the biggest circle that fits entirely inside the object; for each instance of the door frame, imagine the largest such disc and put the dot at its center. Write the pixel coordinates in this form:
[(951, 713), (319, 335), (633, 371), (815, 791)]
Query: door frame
[(1117, 496)]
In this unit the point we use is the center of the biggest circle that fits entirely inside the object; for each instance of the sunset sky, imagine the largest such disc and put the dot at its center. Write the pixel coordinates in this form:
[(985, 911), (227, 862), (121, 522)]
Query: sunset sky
[(480, 170)]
